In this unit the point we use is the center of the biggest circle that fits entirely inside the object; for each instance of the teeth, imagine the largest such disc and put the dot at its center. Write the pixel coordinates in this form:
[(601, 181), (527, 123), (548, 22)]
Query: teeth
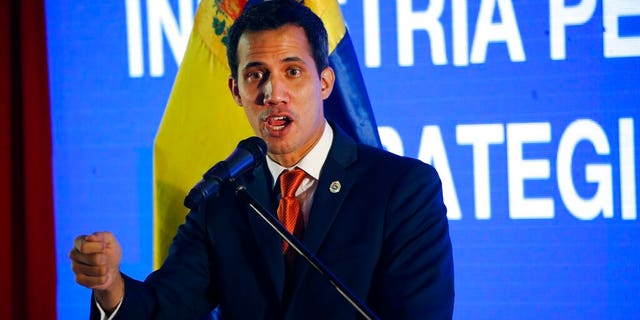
[(276, 128), (277, 123)]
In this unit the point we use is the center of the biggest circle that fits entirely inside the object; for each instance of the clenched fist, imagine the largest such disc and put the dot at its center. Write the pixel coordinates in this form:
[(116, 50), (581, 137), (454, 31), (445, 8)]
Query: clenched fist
[(95, 261)]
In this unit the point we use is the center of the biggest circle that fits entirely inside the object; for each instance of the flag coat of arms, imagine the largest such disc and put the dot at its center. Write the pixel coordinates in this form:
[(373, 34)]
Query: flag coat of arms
[(202, 124)]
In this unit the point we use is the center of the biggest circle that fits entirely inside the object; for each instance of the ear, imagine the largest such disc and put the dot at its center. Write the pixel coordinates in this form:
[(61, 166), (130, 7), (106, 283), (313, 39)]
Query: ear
[(233, 88), (327, 79)]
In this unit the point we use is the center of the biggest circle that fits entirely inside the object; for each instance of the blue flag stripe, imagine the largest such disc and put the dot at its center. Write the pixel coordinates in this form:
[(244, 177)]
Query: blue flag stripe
[(349, 106)]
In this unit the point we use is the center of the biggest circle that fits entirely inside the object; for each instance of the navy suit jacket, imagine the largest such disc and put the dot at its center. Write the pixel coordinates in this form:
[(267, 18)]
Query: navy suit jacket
[(384, 234)]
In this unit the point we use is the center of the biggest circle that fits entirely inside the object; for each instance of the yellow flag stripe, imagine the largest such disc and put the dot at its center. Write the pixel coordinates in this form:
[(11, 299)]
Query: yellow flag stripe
[(201, 125), (329, 12)]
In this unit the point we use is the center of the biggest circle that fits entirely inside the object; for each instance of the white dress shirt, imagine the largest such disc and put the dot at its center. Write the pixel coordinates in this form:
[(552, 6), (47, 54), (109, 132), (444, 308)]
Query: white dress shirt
[(311, 163)]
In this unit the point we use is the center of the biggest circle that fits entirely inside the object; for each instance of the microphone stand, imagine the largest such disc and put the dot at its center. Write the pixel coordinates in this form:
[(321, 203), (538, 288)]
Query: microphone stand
[(270, 219)]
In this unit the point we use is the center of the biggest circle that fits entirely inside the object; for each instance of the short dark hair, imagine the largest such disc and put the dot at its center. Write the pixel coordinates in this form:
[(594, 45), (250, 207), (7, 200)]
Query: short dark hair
[(270, 15)]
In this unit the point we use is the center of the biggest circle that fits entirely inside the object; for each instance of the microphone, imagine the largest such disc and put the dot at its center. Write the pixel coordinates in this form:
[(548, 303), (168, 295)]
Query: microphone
[(249, 154)]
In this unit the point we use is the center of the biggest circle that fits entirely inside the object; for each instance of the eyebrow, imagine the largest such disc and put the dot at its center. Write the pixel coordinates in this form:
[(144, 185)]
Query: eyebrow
[(252, 64), (293, 59), (258, 63)]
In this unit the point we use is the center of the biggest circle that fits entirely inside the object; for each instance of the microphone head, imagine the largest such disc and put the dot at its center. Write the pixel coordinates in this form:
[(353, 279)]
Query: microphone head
[(249, 154), (257, 147)]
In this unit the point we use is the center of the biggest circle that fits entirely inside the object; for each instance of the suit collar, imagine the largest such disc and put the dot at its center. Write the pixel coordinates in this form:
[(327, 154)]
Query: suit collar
[(312, 162)]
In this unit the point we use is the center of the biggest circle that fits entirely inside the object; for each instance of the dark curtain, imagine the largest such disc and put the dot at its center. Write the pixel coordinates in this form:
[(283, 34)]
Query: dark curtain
[(27, 241)]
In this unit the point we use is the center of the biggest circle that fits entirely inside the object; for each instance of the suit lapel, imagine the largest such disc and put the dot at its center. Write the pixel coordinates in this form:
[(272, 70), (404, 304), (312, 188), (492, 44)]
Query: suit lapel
[(326, 204), (267, 240), (328, 198)]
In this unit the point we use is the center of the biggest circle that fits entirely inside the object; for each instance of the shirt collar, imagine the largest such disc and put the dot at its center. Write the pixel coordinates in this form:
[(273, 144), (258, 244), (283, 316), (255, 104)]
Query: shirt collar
[(310, 163)]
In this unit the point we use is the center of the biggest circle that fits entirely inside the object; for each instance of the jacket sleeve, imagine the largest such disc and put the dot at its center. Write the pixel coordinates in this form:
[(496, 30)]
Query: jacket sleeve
[(180, 289)]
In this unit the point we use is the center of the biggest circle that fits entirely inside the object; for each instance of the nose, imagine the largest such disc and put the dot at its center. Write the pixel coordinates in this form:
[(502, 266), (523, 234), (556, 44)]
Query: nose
[(275, 92), (268, 91)]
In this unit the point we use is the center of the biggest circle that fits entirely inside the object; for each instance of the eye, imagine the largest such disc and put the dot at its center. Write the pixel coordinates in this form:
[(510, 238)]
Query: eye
[(294, 72), (255, 75)]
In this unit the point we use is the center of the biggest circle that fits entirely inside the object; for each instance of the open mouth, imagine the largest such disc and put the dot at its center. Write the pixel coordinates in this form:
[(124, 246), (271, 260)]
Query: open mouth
[(277, 123)]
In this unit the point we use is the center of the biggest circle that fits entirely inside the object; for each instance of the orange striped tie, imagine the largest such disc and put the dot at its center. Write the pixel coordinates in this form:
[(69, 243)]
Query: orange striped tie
[(289, 212)]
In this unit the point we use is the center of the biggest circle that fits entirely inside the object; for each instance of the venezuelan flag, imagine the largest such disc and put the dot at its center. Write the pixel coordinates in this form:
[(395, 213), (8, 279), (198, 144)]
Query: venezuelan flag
[(202, 124)]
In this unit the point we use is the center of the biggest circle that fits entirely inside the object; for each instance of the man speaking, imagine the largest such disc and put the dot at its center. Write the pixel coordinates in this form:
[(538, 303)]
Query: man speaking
[(376, 220)]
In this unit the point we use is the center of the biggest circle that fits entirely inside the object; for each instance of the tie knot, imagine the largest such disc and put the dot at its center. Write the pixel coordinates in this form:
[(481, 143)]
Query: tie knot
[(290, 181)]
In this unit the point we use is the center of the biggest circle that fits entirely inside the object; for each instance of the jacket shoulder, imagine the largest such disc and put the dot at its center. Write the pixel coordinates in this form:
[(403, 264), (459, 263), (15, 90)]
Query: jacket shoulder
[(390, 162)]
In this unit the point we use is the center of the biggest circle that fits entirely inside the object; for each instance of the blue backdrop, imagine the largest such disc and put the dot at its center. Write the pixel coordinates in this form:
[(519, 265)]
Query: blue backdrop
[(528, 109)]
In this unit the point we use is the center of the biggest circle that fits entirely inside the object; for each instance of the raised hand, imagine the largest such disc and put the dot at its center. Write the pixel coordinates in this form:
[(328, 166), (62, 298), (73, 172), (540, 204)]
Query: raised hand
[(95, 261)]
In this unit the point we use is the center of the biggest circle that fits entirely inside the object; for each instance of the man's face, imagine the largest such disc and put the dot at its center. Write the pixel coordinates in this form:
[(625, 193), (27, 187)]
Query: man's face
[(281, 92)]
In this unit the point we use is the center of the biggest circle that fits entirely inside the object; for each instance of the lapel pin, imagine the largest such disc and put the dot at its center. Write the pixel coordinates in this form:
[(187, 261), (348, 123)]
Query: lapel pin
[(335, 187)]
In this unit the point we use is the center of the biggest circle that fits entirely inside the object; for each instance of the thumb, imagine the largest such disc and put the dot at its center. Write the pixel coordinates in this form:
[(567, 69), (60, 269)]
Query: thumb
[(100, 236)]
